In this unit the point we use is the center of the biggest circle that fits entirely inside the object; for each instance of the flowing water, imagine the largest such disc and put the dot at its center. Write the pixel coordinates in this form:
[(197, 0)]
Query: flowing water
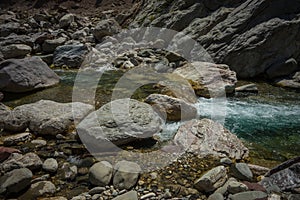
[(268, 122)]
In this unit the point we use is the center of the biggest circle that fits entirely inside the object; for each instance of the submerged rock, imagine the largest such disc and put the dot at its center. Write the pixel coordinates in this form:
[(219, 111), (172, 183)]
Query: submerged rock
[(23, 75), (207, 137)]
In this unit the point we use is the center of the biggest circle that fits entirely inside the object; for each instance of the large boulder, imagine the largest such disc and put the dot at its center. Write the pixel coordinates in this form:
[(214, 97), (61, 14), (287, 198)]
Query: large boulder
[(252, 37), (46, 117), (106, 27), (171, 108), (208, 79), (23, 75), (118, 122), (207, 137), (284, 177), (15, 181), (70, 55)]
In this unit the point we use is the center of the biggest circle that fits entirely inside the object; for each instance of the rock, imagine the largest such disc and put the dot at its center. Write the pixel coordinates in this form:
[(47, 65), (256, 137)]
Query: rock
[(15, 161), (223, 190), (242, 171), (209, 80), (100, 174), (17, 39), (66, 20), (39, 189), (5, 152), (236, 187), (226, 161), (290, 82), (216, 196), (106, 27), (211, 180), (132, 195), (15, 51), (113, 122), (46, 117), (70, 55), (174, 57), (247, 88), (252, 195), (176, 86), (171, 108), (23, 75), (49, 46), (282, 68), (15, 181), (148, 196), (47, 59), (68, 172), (50, 165), (97, 190), (286, 176), (39, 143), (8, 28), (126, 175), (254, 186), (54, 198), (206, 137), (15, 139), (258, 170)]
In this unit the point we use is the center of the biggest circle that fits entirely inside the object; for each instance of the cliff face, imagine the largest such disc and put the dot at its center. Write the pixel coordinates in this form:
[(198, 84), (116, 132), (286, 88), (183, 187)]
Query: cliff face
[(254, 37)]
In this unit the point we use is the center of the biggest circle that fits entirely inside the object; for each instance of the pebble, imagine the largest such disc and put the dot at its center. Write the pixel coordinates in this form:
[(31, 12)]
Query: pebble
[(39, 143), (149, 195), (50, 165)]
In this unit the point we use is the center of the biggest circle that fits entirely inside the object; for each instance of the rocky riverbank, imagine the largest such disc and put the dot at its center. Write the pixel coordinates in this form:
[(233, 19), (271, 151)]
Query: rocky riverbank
[(51, 150)]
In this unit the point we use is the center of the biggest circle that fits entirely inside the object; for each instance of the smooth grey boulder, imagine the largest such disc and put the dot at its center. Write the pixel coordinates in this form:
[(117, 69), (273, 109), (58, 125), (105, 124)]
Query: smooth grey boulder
[(118, 122), (171, 108), (100, 174), (15, 51), (209, 79), (106, 27), (236, 187), (242, 171), (15, 181), (70, 55), (24, 75), (46, 117), (211, 180), (126, 174), (207, 137)]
